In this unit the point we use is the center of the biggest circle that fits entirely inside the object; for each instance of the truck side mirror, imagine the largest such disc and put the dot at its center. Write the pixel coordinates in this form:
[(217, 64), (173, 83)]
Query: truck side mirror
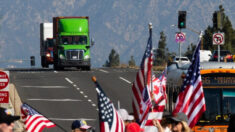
[(54, 41), (92, 42), (32, 60)]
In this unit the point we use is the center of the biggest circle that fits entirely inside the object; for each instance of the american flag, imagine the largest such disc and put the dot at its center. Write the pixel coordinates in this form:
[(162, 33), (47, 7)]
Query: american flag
[(191, 97), (141, 86), (160, 100), (110, 121), (34, 122)]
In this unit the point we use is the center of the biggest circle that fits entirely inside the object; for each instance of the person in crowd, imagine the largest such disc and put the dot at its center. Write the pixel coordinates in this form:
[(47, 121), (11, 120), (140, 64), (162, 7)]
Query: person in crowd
[(133, 127), (165, 125), (180, 123), (81, 126), (125, 116), (231, 125), (7, 120)]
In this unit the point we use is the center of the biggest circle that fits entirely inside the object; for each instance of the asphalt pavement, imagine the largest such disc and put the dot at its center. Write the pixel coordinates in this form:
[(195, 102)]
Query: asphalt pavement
[(64, 96)]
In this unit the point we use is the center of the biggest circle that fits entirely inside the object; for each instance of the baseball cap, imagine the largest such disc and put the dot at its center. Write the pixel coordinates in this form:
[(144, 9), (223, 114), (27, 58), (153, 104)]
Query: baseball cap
[(134, 127), (81, 124), (124, 115), (7, 118), (180, 117)]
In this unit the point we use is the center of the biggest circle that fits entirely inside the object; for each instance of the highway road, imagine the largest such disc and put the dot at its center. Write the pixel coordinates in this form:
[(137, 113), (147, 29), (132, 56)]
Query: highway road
[(64, 96)]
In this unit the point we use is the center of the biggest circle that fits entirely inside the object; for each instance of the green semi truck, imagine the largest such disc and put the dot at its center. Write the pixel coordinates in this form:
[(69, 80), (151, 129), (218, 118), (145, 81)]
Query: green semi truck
[(71, 42)]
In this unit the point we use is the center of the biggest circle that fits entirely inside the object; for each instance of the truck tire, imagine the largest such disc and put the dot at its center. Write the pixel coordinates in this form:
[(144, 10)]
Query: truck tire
[(56, 67), (43, 60), (88, 68), (85, 68), (46, 65)]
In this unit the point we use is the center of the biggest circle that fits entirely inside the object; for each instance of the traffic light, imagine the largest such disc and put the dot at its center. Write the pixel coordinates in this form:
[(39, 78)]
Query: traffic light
[(215, 24), (32, 60), (182, 19), (217, 20)]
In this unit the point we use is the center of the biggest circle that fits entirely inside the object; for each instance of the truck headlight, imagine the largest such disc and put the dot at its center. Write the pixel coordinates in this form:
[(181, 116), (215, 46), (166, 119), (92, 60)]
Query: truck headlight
[(87, 57), (61, 56), (48, 55)]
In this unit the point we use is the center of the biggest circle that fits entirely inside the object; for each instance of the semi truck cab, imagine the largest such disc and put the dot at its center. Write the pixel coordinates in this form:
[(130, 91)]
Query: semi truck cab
[(72, 48)]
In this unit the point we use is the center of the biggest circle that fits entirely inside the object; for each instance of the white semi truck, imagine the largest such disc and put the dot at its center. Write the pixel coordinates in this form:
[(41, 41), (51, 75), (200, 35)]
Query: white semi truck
[(46, 44)]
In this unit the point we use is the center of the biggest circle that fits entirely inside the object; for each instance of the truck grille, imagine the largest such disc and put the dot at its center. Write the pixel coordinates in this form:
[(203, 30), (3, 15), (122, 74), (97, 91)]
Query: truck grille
[(74, 54)]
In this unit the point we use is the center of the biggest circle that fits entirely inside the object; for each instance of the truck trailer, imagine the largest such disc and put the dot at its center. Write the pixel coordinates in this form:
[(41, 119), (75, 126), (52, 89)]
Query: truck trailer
[(46, 44), (71, 42)]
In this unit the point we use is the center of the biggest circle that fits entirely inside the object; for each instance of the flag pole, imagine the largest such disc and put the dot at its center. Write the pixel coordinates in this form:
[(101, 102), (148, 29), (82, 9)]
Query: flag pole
[(151, 81), (47, 118)]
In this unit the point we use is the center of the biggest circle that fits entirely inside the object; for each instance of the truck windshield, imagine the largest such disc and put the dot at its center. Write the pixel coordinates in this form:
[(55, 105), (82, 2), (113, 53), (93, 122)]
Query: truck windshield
[(213, 97), (74, 40), (49, 42)]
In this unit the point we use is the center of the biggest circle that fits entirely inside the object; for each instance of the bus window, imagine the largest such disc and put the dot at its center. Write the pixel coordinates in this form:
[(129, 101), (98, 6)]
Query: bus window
[(213, 103), (229, 103)]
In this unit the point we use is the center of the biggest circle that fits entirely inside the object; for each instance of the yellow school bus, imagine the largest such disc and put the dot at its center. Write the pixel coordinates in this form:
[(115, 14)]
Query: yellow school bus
[(218, 80)]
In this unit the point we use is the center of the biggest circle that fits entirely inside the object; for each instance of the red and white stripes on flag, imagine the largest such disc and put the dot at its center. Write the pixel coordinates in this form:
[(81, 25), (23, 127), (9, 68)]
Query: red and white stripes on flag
[(191, 99), (160, 100), (157, 113), (34, 122), (140, 88), (110, 121)]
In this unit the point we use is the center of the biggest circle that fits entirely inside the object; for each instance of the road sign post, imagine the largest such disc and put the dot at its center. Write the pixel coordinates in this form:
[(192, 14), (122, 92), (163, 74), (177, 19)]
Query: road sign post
[(218, 39), (179, 38), (4, 86)]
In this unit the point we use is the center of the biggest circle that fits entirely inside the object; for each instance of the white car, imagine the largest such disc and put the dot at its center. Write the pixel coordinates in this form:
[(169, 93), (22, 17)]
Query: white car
[(181, 59), (205, 55)]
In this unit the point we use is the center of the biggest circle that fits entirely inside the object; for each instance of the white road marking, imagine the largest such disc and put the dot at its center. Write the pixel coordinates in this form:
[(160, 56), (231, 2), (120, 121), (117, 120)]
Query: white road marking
[(67, 79), (104, 71), (125, 80), (44, 86), (55, 71), (85, 96), (70, 119), (62, 100)]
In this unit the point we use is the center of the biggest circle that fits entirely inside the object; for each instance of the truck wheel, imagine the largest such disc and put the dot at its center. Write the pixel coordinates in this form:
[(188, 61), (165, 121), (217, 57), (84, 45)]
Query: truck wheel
[(55, 67), (58, 67), (88, 68), (43, 59), (46, 65)]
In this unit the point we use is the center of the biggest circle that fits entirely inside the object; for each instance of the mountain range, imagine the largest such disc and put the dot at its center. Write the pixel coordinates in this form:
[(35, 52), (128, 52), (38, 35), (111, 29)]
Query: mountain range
[(118, 24)]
